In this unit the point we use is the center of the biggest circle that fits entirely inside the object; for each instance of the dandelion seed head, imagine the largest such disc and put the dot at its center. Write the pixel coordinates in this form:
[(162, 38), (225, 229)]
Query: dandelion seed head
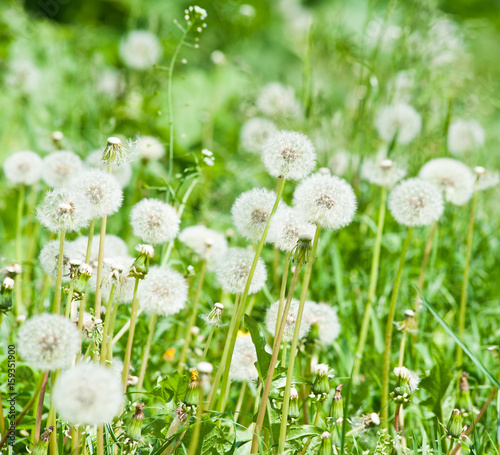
[(383, 172), (407, 375), (154, 221), (339, 163), (140, 49), (272, 316), (399, 119), (60, 167), (207, 243), (325, 318), (255, 132), (49, 257), (244, 357), (276, 100), (465, 136), (23, 168), (122, 172), (287, 226), (115, 271), (23, 74), (150, 148), (486, 178)]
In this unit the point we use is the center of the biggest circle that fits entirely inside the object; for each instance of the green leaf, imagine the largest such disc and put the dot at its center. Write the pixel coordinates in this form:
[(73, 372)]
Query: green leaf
[(436, 385), (172, 387), (303, 431), (263, 357)]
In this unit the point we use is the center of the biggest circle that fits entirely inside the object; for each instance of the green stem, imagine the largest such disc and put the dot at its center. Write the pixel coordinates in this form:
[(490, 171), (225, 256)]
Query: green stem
[(207, 343), (100, 440), (83, 302), (19, 250), (38, 410), (110, 343), (128, 352), (284, 280), (384, 402), (57, 298), (106, 338), (52, 415), (69, 299), (145, 357), (100, 260)]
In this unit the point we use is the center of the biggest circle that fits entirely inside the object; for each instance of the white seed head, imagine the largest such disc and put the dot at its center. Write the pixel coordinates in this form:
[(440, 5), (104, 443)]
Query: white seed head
[(255, 133), (60, 167), (49, 258), (416, 202), (115, 271), (205, 368), (321, 369), (24, 75), (150, 148), (325, 318), (8, 283), (326, 200), (88, 393), (244, 356), (399, 119), (163, 292), (207, 243), (233, 269), (122, 172), (486, 178), (410, 376), (49, 342), (278, 101), (148, 250), (154, 221), (287, 226), (272, 316), (383, 173), (140, 49), (23, 168), (465, 136), (339, 163)]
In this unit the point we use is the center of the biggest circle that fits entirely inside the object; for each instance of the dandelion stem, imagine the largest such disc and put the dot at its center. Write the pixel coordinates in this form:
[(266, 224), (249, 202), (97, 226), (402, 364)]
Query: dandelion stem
[(384, 404), (51, 420), (67, 310), (19, 250), (83, 303), (402, 349), (39, 409), (100, 259), (109, 347), (145, 356), (207, 343), (56, 309), (284, 280), (105, 345), (100, 440), (128, 352)]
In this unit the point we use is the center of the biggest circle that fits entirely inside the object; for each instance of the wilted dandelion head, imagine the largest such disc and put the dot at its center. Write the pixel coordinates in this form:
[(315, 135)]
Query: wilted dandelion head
[(251, 212), (101, 191), (88, 393), (48, 342), (272, 316), (122, 172), (416, 202), (140, 49), (398, 120), (410, 377), (49, 258), (325, 318), (276, 100), (287, 225), (150, 148), (326, 200), (465, 136), (23, 168), (485, 178), (207, 243), (163, 292), (154, 221), (255, 132), (289, 155), (244, 357), (60, 167), (233, 268), (60, 210), (383, 172), (454, 178)]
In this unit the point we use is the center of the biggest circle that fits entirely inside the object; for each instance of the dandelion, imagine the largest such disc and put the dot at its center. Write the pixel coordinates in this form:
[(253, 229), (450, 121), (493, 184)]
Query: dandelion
[(255, 132), (286, 227), (150, 148), (233, 269), (110, 83), (23, 74), (116, 152), (465, 136), (325, 318), (454, 178), (321, 387), (122, 172), (416, 202), (163, 292), (406, 385), (485, 179), (140, 49), (49, 257), (210, 245), (251, 212), (382, 172), (289, 155), (400, 121), (214, 318), (116, 272), (60, 167), (48, 342), (326, 200), (272, 316), (88, 394), (154, 221), (244, 357), (23, 168), (339, 163), (276, 100)]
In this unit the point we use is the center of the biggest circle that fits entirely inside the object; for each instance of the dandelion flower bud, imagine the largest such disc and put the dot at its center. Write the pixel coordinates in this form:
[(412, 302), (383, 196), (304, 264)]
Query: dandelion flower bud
[(485, 179), (49, 258), (286, 226), (122, 172), (154, 221), (140, 267), (150, 148), (89, 394), (453, 177), (233, 269), (400, 121), (416, 202), (60, 167), (272, 316), (251, 212), (325, 318), (465, 136), (43, 444), (455, 426), (140, 49), (326, 200), (7, 284), (381, 172), (255, 133), (289, 155), (294, 409), (207, 243), (321, 387), (24, 168), (463, 401), (406, 385), (163, 292), (48, 342), (276, 100), (337, 410), (134, 428), (244, 357), (326, 444)]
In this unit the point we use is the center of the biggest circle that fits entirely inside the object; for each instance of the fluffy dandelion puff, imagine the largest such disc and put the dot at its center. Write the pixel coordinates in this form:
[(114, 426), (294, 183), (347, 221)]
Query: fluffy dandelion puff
[(287, 225), (416, 202), (276, 100), (325, 318), (382, 172), (398, 120), (289, 155), (100, 189), (115, 271), (23, 74), (408, 376), (49, 258), (89, 394), (339, 163), (255, 133), (326, 200), (244, 357), (251, 211), (140, 49), (150, 148), (454, 178), (62, 211), (163, 292), (23, 168), (485, 178), (154, 221), (60, 167), (233, 269), (465, 136), (122, 172), (48, 342), (207, 243), (272, 316)]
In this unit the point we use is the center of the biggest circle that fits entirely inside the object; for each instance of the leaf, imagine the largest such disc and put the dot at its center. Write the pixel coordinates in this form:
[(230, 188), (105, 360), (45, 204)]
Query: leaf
[(263, 357), (436, 385), (212, 440), (303, 431), (172, 387)]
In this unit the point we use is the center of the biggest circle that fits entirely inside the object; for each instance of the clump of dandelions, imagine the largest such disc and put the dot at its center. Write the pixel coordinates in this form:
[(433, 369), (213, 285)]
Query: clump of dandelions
[(154, 221), (272, 316), (325, 318), (23, 168), (140, 49), (122, 172), (251, 212), (465, 136), (49, 258), (454, 178), (150, 148), (163, 292), (60, 167), (89, 394), (326, 200), (210, 245), (278, 101), (48, 342), (382, 172), (406, 386), (233, 269), (416, 202), (244, 357), (286, 226), (289, 155), (100, 190), (255, 132), (400, 121)]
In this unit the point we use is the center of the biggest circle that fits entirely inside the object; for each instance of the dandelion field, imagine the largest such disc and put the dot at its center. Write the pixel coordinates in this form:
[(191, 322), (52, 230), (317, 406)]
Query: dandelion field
[(263, 227)]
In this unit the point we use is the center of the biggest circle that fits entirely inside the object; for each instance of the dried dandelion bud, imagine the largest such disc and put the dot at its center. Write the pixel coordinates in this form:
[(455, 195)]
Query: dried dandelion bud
[(134, 428), (464, 402), (115, 152), (407, 382), (326, 447), (43, 443), (140, 267), (192, 397), (337, 410)]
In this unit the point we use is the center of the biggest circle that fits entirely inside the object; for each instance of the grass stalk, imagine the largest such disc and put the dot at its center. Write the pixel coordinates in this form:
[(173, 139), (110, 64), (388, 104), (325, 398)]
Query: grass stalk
[(19, 250)]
